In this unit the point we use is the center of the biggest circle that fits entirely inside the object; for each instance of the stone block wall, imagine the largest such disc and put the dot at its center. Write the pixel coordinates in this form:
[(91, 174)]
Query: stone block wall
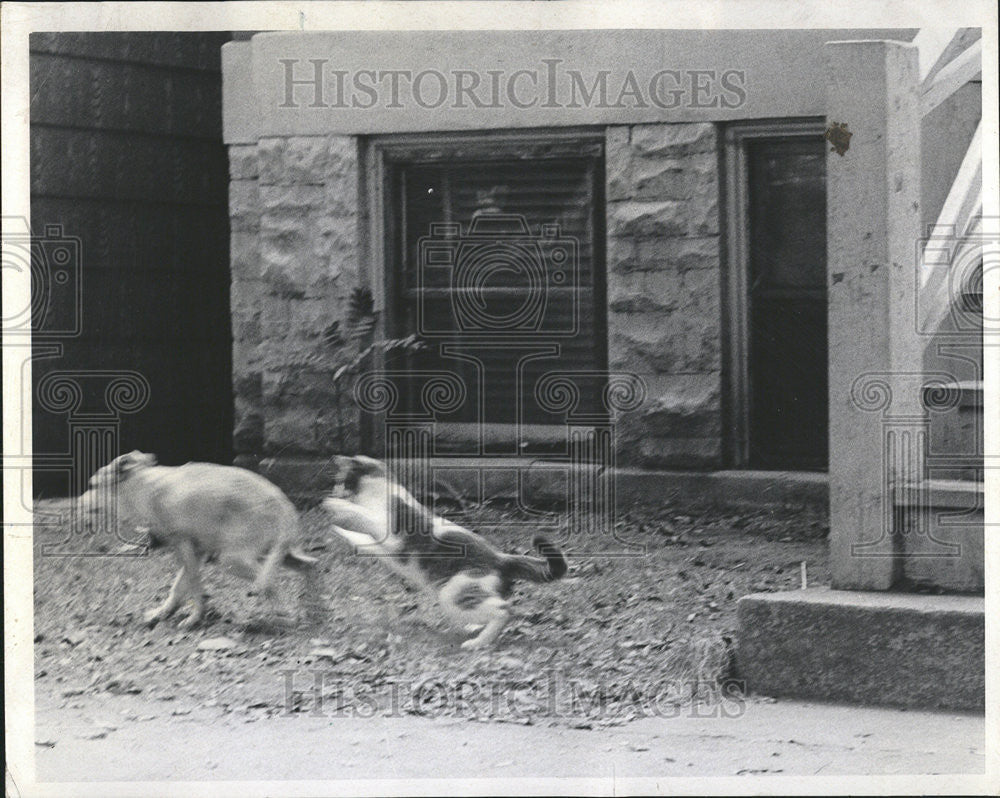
[(664, 289), (295, 251), (295, 258)]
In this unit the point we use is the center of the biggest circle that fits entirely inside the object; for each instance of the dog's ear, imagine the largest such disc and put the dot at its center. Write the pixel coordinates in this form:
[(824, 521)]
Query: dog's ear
[(127, 463)]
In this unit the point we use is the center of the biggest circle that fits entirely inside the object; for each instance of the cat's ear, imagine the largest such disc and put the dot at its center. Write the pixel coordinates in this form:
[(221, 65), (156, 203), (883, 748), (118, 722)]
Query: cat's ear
[(370, 465), (343, 464)]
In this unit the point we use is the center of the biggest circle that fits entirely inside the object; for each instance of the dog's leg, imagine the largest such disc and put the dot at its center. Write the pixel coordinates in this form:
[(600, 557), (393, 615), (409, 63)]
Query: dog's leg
[(177, 592), (311, 598), (262, 584), (195, 592), (242, 564)]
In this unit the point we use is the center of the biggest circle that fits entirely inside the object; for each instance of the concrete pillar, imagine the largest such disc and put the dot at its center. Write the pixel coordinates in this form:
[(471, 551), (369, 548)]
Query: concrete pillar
[(873, 227)]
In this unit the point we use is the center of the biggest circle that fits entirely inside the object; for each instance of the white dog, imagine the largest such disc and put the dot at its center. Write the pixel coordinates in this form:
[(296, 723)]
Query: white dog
[(199, 510)]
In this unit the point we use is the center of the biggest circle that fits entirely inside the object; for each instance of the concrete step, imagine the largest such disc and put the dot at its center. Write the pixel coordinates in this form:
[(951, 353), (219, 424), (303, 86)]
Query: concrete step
[(895, 649), (940, 525), (955, 441)]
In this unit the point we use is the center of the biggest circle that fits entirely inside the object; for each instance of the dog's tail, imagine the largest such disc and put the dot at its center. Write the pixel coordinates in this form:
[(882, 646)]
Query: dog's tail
[(551, 565), (296, 558)]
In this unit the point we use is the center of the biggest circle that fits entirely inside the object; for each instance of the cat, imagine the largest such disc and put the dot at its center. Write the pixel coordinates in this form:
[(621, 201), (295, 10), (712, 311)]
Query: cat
[(470, 578)]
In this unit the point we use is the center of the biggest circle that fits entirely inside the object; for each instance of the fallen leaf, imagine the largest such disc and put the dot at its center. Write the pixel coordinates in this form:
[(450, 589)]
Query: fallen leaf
[(217, 644), (327, 653)]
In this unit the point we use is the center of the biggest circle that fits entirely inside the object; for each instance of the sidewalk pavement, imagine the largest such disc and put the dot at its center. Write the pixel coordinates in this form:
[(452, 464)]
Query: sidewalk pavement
[(780, 738)]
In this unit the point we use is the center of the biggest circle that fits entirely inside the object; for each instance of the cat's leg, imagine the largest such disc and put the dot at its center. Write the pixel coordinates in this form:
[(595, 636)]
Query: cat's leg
[(359, 540), (358, 519), (499, 615), (476, 601)]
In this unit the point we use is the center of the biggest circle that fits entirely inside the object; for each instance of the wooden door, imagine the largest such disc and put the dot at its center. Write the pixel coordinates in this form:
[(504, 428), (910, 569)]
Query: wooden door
[(786, 303)]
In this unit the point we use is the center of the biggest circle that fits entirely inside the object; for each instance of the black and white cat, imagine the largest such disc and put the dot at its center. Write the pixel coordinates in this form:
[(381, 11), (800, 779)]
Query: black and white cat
[(470, 578)]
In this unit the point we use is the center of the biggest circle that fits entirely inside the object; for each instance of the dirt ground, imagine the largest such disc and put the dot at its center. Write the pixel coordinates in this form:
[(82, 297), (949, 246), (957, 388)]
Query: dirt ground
[(630, 633), (621, 671)]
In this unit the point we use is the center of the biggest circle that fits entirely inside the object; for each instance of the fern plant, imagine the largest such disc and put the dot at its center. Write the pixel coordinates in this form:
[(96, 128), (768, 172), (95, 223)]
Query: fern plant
[(362, 320)]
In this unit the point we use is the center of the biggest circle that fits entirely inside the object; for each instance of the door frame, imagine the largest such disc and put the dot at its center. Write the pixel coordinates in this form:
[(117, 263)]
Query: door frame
[(736, 373)]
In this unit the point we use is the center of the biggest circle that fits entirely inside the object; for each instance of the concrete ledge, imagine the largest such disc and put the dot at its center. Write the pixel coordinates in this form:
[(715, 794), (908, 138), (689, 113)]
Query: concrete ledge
[(738, 488), (897, 649), (545, 482), (941, 527)]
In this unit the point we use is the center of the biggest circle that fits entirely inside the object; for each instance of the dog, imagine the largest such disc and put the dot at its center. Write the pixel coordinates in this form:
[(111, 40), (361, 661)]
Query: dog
[(470, 578), (204, 510)]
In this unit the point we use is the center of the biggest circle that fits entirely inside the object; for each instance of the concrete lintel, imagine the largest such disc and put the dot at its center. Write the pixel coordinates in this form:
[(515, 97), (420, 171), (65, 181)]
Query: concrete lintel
[(354, 94)]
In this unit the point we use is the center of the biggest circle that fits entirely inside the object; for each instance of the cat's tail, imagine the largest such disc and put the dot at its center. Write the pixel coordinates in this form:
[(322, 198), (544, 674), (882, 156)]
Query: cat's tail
[(548, 567)]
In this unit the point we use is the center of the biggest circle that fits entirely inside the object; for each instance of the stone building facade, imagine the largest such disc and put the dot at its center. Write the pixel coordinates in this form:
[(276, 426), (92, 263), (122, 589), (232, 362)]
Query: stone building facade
[(296, 250), (306, 188), (664, 282)]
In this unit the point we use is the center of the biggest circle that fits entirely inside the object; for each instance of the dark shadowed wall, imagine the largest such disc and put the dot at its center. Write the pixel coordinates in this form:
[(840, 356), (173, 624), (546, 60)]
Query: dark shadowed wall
[(127, 155)]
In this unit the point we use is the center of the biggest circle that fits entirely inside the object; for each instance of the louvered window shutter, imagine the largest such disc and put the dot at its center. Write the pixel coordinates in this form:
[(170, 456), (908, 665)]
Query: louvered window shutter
[(501, 269)]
